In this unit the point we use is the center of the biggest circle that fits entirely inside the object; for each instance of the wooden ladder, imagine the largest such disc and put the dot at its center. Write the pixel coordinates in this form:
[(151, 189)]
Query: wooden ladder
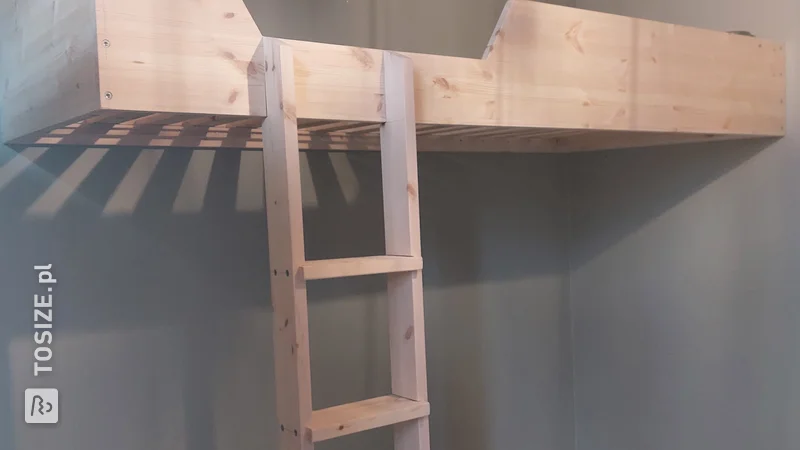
[(407, 408)]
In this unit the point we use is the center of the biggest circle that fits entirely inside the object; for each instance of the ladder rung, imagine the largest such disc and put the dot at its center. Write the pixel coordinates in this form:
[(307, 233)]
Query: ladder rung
[(352, 267), (365, 415)]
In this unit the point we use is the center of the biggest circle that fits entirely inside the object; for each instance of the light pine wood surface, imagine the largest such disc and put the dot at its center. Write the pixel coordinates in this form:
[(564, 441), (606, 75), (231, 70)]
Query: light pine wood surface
[(547, 68)]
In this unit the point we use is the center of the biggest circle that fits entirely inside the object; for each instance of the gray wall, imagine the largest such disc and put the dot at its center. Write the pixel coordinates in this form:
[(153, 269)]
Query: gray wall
[(684, 274), (445, 27), (163, 323), (679, 265)]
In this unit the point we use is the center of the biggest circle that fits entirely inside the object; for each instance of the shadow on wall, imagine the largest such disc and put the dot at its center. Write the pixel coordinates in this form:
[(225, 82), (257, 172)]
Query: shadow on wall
[(664, 177), (161, 307), (684, 292), (163, 323)]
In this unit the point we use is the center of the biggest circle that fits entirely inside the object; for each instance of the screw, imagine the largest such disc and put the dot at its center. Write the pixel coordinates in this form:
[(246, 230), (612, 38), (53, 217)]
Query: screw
[(109, 95), (106, 43)]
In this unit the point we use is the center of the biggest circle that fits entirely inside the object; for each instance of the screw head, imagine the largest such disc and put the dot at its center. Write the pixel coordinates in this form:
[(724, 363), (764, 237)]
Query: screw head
[(106, 43), (108, 95)]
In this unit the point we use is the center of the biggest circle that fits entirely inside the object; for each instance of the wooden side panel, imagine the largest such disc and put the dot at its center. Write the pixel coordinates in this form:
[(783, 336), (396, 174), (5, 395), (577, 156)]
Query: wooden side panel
[(286, 252), (48, 62), (638, 74), (195, 56), (551, 66)]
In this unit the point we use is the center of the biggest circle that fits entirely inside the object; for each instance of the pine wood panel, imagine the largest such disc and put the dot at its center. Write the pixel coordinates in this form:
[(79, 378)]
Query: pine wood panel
[(49, 63), (557, 67), (180, 56), (546, 67)]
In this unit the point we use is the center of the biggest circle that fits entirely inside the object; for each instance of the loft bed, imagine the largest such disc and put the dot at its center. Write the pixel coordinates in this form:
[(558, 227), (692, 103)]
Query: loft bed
[(147, 73), (198, 73)]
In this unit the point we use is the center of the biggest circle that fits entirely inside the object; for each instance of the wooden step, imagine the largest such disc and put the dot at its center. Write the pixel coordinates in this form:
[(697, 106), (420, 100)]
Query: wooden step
[(362, 416), (353, 267)]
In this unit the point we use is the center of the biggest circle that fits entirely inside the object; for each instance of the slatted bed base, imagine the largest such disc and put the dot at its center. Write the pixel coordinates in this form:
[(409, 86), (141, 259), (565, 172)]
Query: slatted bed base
[(166, 130)]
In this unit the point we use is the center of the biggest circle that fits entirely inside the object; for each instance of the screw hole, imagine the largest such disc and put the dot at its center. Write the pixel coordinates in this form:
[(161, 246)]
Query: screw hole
[(109, 95), (275, 272), (106, 43), (287, 273), (295, 432), (282, 428)]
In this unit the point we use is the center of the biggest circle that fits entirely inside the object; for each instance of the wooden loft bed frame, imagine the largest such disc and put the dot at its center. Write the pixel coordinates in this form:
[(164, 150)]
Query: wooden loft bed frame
[(198, 73), (553, 79)]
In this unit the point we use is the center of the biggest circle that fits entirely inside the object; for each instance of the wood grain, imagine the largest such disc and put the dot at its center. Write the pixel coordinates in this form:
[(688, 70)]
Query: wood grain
[(402, 231), (286, 251), (546, 67), (352, 267), (551, 66), (365, 415), (49, 64), (180, 56)]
